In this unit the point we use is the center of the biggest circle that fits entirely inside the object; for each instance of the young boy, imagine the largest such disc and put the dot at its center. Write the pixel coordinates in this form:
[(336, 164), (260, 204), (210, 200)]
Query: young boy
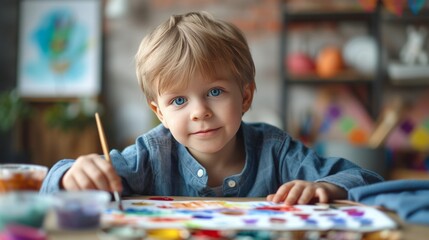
[(197, 74)]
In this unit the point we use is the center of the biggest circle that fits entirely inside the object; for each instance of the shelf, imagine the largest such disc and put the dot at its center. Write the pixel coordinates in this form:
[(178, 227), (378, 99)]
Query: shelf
[(328, 16), (418, 83), (407, 17), (402, 173), (401, 75), (347, 76), (371, 82), (312, 81)]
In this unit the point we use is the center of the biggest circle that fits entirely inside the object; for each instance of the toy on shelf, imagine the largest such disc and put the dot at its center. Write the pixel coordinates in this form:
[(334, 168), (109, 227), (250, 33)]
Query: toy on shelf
[(329, 62), (413, 51), (360, 53), (413, 62), (412, 131), (299, 63), (343, 117)]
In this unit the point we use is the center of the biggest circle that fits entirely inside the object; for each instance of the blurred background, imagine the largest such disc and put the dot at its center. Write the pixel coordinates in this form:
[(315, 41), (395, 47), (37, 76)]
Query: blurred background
[(347, 77)]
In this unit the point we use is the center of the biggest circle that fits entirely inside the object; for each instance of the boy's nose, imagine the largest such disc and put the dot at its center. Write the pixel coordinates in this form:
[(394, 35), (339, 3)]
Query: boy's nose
[(201, 111)]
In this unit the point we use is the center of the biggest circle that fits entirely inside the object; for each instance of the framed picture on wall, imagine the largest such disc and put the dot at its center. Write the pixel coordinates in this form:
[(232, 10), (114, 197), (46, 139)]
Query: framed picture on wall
[(59, 51)]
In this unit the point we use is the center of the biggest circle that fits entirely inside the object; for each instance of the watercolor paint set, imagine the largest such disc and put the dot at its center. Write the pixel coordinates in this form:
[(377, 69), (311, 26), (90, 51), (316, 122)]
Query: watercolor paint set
[(251, 216)]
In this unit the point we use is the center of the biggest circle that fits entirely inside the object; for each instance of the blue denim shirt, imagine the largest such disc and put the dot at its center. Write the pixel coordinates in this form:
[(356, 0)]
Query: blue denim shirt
[(158, 165)]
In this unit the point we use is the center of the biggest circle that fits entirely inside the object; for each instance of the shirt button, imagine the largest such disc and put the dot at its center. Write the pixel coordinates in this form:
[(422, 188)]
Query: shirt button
[(200, 172), (231, 183)]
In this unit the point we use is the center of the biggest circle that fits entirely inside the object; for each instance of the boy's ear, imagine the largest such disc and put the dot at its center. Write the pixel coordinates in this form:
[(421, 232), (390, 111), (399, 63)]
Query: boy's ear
[(155, 108), (248, 92)]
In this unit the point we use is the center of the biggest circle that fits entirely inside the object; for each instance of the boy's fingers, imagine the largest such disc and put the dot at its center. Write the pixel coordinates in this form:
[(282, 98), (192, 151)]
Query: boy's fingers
[(306, 195), (294, 194), (113, 181), (322, 195), (83, 181), (97, 175), (69, 183), (282, 192), (279, 195)]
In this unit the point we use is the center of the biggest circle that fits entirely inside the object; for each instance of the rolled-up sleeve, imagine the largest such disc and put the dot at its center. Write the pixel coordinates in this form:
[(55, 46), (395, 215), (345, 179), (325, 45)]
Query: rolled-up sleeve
[(301, 162), (52, 180)]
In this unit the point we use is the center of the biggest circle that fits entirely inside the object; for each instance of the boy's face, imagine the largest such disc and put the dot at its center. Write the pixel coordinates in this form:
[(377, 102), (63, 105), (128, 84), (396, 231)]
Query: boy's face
[(206, 114)]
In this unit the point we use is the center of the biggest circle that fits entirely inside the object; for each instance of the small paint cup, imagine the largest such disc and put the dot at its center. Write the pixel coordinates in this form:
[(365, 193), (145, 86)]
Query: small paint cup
[(27, 208), (78, 210), (21, 177)]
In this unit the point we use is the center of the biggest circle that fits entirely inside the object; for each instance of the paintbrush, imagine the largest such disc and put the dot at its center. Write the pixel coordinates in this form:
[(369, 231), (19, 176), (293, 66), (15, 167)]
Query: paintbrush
[(107, 155)]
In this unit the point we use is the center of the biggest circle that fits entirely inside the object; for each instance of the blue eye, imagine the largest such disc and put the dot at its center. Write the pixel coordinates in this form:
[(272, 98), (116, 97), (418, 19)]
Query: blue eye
[(215, 92), (179, 101)]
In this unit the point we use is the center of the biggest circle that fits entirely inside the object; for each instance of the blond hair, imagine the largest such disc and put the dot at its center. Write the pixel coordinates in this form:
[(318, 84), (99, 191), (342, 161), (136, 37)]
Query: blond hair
[(188, 44)]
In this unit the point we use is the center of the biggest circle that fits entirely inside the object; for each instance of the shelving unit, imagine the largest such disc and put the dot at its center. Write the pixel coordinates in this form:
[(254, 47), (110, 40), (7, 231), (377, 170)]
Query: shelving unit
[(407, 161), (348, 76), (378, 86)]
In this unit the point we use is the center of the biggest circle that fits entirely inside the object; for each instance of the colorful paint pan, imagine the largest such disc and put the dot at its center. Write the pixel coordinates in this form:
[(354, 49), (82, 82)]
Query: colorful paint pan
[(161, 198), (167, 234), (208, 234)]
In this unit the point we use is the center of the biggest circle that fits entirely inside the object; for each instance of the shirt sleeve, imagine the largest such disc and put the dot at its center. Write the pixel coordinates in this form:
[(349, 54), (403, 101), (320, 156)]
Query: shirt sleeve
[(133, 166), (52, 180), (352, 177), (304, 163)]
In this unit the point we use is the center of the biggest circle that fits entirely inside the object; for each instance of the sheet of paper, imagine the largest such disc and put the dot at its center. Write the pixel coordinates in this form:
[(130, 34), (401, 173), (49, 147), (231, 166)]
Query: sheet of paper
[(230, 215)]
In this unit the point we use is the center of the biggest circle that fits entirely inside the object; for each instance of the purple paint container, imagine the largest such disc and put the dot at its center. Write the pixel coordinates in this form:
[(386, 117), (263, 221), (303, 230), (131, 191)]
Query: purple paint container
[(80, 209)]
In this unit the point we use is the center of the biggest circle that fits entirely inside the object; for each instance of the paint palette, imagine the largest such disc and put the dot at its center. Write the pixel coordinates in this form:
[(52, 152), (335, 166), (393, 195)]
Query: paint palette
[(254, 215)]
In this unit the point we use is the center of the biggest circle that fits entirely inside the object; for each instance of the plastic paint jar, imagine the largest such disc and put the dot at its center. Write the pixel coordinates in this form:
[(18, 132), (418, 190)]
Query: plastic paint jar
[(25, 208), (21, 177), (80, 209)]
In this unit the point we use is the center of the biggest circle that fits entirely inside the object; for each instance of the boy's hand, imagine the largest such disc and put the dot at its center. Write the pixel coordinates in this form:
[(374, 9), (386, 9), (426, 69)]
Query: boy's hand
[(91, 172), (302, 192)]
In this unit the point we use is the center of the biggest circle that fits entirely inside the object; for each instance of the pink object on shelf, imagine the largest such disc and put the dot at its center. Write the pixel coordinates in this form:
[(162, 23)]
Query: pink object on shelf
[(300, 64)]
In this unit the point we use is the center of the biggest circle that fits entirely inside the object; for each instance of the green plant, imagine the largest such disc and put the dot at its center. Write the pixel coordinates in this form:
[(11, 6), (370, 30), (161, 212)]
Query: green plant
[(12, 109), (72, 115)]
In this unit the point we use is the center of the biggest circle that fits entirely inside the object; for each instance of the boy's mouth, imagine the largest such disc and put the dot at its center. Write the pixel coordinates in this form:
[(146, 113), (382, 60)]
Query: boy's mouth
[(206, 131)]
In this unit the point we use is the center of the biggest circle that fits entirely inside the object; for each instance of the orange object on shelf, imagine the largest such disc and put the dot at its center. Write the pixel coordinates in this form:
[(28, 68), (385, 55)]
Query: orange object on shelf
[(329, 62)]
